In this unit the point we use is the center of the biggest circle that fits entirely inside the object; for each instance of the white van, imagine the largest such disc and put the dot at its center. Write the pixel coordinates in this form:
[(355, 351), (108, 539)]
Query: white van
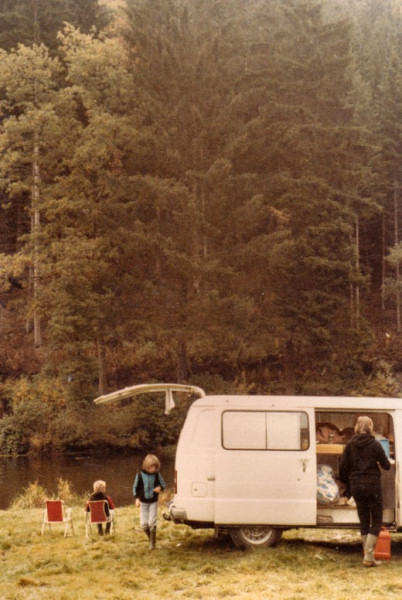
[(247, 465)]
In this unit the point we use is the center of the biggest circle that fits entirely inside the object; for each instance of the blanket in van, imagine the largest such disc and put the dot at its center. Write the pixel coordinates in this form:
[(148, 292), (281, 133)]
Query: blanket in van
[(327, 488)]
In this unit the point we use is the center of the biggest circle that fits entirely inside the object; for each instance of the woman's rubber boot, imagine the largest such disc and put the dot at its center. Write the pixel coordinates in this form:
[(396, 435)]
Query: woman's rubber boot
[(369, 560), (152, 538), (146, 530)]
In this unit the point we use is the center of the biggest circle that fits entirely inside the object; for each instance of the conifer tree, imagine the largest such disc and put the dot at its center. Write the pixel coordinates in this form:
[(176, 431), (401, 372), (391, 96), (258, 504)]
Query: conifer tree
[(179, 54), (207, 205), (309, 157), (388, 110), (38, 21), (28, 80), (377, 47), (77, 138), (91, 236)]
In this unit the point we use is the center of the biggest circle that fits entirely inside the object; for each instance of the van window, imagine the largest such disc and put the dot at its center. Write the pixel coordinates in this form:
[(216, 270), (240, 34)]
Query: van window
[(264, 430)]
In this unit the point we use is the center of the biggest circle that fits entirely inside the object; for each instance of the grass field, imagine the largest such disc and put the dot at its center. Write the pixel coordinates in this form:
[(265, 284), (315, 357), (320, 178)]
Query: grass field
[(306, 565)]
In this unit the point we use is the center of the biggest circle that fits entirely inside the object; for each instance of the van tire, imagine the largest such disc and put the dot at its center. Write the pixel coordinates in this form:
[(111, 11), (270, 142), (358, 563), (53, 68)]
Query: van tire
[(257, 536)]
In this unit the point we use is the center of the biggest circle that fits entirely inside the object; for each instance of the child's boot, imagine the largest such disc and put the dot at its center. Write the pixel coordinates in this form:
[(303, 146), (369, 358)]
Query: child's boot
[(152, 538), (146, 530)]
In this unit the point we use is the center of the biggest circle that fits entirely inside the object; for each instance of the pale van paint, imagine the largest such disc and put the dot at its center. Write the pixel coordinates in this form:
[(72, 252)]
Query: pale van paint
[(224, 487), (221, 487)]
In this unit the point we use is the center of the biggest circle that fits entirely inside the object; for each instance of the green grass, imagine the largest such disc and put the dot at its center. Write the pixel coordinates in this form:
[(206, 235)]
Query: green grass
[(306, 565)]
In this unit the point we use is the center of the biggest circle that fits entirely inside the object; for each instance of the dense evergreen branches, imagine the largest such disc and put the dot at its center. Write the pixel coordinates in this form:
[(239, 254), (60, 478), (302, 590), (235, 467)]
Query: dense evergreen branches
[(204, 190)]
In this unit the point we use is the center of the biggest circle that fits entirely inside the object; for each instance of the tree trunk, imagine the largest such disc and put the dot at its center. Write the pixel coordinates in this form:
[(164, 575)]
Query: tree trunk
[(396, 242), (383, 264), (354, 286), (36, 26), (357, 286), (102, 380), (183, 369), (289, 367), (36, 231)]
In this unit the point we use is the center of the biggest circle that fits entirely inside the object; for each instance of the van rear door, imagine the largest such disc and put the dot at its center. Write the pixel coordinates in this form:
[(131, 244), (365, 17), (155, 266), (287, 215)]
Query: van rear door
[(266, 468)]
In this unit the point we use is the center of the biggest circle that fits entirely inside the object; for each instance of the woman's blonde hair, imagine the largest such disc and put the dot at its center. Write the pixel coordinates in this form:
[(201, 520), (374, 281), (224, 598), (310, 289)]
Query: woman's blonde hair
[(364, 425), (150, 461), (99, 486)]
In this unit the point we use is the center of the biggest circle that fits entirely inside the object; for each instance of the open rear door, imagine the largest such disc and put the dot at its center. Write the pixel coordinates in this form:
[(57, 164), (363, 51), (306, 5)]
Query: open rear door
[(149, 388)]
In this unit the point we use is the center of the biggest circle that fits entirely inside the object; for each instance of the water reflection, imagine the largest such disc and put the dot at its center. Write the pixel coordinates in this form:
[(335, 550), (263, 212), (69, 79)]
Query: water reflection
[(80, 471)]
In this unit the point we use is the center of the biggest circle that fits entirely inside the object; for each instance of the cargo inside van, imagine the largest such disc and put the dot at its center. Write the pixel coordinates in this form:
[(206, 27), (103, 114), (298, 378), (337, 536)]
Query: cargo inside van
[(333, 430)]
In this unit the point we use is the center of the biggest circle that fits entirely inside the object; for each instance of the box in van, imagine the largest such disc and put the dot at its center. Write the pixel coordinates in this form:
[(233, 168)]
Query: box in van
[(247, 465)]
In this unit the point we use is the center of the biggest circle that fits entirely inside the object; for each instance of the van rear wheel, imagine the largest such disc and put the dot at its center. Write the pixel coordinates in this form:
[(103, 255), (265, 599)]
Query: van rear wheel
[(255, 537)]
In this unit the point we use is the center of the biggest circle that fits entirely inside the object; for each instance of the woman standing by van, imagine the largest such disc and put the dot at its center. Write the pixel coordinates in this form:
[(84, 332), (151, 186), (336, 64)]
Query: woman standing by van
[(360, 473)]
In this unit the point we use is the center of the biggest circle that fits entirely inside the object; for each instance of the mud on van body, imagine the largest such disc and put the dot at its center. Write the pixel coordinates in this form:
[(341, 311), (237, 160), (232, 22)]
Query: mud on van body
[(247, 465)]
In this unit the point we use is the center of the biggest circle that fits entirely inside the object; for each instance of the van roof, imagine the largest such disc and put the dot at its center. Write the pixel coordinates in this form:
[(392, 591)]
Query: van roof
[(286, 402)]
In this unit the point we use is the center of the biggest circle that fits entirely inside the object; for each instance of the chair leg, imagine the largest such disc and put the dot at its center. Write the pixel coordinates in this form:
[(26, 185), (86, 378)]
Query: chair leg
[(69, 525)]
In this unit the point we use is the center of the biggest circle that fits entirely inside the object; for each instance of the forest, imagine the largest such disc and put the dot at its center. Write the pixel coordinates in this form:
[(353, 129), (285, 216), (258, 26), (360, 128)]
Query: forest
[(195, 191)]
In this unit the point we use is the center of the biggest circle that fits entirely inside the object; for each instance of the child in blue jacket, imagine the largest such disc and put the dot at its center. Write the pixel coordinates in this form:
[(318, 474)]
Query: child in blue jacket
[(146, 489)]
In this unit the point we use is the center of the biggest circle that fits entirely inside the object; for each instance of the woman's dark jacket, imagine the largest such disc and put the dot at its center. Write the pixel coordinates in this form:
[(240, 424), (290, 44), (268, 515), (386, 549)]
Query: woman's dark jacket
[(360, 460)]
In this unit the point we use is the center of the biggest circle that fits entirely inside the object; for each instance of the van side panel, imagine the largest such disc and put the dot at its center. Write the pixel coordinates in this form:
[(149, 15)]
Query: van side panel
[(266, 486), (195, 466)]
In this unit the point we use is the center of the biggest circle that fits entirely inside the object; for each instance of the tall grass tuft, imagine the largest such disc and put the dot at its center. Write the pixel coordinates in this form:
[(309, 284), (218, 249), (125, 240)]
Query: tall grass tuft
[(65, 492), (32, 497), (35, 495)]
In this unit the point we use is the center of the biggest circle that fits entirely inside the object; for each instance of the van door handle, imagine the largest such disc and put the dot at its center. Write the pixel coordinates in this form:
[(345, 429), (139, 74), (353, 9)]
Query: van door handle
[(304, 462), (211, 478)]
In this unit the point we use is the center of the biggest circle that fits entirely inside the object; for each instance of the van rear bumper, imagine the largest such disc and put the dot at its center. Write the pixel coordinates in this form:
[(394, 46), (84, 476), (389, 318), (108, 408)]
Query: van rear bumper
[(178, 514)]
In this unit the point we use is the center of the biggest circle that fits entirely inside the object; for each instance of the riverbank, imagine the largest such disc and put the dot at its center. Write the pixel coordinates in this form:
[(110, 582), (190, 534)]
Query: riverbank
[(80, 471), (306, 565)]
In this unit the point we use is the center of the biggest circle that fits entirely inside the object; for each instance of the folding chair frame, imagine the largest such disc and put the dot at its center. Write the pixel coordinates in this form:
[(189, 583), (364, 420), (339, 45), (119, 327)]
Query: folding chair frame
[(99, 518), (56, 513)]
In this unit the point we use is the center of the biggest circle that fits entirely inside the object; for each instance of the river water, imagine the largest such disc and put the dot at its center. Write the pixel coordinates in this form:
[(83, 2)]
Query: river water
[(81, 471)]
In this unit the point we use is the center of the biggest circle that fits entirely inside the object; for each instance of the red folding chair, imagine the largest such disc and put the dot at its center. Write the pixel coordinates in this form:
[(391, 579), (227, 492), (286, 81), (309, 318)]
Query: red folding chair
[(97, 515), (55, 513)]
